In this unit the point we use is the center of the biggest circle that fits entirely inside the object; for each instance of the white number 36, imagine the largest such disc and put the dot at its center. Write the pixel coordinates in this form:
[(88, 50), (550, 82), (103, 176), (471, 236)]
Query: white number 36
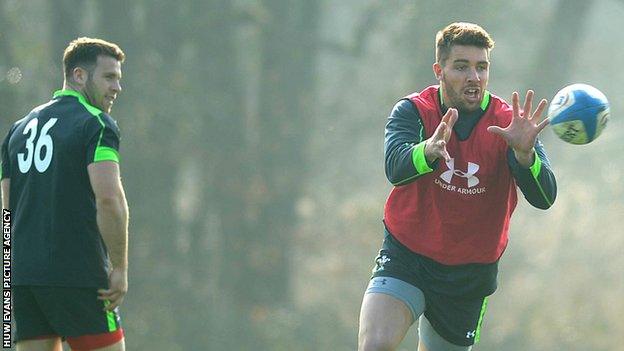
[(33, 150)]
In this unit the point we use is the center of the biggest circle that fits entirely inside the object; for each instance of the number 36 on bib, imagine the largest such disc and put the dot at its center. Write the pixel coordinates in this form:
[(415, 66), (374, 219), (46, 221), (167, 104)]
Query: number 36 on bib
[(34, 148)]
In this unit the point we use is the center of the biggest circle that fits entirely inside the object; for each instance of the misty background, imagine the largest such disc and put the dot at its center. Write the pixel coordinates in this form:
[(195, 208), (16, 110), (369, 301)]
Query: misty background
[(252, 158)]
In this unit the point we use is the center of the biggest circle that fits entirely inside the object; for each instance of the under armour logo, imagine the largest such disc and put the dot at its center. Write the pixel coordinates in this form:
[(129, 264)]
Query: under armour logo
[(471, 334), (447, 176), (377, 281)]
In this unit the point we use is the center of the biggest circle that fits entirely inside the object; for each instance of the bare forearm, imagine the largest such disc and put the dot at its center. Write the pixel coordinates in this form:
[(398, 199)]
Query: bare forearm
[(6, 185), (112, 219)]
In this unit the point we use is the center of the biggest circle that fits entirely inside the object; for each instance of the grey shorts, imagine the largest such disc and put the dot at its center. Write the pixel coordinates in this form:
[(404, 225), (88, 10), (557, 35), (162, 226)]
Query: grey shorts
[(444, 324)]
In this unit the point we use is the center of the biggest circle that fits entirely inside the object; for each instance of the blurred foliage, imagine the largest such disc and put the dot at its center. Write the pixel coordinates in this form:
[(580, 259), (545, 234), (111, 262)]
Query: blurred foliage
[(253, 162)]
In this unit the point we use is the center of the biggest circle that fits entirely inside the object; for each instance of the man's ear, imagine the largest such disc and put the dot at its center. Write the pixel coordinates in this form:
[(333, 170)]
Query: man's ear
[(437, 71), (80, 75)]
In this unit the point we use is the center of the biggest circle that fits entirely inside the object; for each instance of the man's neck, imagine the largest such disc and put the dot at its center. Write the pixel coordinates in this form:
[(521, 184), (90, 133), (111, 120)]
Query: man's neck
[(69, 86)]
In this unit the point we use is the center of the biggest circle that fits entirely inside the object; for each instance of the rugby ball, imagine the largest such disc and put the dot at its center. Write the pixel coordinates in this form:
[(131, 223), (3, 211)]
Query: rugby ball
[(578, 113)]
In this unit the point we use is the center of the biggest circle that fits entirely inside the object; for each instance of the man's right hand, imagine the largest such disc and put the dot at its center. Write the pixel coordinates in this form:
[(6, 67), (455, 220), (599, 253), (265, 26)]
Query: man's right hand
[(435, 147), (117, 288)]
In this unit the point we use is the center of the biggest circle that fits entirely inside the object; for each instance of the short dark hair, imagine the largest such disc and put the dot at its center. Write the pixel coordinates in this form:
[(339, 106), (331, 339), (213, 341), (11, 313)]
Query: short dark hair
[(83, 52), (461, 33)]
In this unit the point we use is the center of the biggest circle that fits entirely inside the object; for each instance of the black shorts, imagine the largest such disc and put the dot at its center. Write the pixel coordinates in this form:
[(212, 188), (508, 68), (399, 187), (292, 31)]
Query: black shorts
[(456, 317), (458, 321), (42, 311)]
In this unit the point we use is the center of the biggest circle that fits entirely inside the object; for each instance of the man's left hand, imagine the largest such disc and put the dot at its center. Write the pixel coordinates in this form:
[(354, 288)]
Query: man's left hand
[(118, 287), (522, 132)]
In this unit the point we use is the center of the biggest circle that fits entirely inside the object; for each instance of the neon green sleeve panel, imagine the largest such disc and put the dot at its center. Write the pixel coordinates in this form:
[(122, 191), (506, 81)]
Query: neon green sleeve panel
[(536, 168), (104, 153), (419, 160)]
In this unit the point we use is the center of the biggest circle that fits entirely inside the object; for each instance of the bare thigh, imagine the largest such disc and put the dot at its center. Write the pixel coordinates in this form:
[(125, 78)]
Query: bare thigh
[(51, 344), (384, 321)]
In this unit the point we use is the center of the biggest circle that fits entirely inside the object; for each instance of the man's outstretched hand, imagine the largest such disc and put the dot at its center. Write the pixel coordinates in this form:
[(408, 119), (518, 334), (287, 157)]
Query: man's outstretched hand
[(525, 125), (435, 147)]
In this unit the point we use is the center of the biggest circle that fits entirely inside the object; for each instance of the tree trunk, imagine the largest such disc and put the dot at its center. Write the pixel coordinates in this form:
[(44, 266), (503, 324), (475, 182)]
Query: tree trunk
[(8, 108), (556, 56), (64, 22)]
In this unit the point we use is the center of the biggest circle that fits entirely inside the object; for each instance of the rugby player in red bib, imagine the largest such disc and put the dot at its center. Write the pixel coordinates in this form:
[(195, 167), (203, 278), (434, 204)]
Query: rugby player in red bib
[(455, 154)]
